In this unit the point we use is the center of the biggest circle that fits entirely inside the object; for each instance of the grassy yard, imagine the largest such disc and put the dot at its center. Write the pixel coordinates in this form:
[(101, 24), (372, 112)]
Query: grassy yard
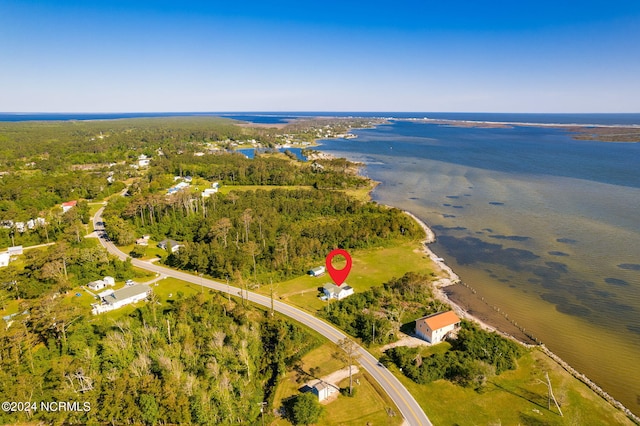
[(371, 402), (362, 194), (515, 397), (94, 207), (371, 267)]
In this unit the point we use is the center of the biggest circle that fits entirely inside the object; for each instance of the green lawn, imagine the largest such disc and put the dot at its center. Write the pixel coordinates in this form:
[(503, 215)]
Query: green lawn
[(515, 397), (371, 267), (371, 402), (94, 207)]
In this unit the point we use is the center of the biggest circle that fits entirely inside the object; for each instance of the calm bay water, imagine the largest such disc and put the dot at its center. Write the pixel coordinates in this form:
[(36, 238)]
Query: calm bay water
[(542, 226)]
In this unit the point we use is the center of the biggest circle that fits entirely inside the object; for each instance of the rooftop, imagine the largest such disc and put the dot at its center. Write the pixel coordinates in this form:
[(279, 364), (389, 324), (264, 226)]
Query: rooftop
[(334, 288), (127, 292), (440, 320)]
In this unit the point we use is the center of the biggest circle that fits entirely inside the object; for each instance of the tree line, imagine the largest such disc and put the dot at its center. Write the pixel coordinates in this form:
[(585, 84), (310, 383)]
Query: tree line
[(276, 233), (198, 360)]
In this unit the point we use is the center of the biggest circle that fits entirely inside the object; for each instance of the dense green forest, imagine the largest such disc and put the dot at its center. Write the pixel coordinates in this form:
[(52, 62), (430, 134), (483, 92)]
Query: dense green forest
[(55, 145), (276, 233), (199, 360)]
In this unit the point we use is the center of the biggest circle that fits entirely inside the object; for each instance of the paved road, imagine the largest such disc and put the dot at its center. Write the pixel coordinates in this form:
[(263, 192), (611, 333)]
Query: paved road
[(409, 408)]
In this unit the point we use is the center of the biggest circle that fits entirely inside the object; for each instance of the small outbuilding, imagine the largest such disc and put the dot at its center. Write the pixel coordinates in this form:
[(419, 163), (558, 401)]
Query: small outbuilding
[(317, 271), (109, 280), (96, 285), (435, 328), (323, 390), (5, 258)]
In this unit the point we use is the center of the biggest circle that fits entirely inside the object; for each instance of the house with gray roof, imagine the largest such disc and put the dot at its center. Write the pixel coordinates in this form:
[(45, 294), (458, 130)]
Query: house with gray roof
[(119, 298)]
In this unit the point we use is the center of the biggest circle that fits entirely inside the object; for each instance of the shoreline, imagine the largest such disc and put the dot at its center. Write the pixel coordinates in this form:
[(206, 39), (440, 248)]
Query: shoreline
[(451, 278), (466, 311), (463, 312)]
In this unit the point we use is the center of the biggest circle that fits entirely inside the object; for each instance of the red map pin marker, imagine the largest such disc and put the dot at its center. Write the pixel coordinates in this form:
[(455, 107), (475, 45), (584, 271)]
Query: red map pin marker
[(338, 275)]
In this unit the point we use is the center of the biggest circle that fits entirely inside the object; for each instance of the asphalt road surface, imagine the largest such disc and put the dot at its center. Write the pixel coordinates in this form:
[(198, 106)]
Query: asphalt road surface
[(409, 408)]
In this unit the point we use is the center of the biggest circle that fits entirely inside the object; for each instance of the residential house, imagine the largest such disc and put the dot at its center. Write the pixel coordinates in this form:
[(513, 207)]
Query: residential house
[(170, 245), (435, 328), (332, 291), (122, 297), (208, 192), (177, 188), (68, 205), (323, 390), (144, 241), (317, 271), (143, 161)]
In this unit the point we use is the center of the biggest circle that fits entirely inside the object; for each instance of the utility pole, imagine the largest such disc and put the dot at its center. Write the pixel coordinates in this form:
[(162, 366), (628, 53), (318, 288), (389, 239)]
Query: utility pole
[(373, 340), (228, 290)]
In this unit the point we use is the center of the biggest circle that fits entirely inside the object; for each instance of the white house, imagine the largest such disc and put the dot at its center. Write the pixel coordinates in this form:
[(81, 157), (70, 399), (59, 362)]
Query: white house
[(332, 291), (109, 280), (208, 192), (68, 205), (4, 259), (143, 160), (317, 271), (171, 245), (323, 390), (435, 328), (96, 285), (122, 297)]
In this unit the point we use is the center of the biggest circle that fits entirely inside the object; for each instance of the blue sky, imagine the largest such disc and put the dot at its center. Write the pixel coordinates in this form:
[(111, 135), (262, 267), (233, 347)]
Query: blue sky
[(499, 56)]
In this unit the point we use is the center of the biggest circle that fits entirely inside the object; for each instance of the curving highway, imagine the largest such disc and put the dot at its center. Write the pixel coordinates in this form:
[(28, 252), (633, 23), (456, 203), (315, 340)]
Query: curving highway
[(409, 408)]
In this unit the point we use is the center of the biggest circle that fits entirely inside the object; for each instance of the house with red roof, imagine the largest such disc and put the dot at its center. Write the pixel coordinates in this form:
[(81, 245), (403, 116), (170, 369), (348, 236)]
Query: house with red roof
[(68, 205), (435, 328)]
